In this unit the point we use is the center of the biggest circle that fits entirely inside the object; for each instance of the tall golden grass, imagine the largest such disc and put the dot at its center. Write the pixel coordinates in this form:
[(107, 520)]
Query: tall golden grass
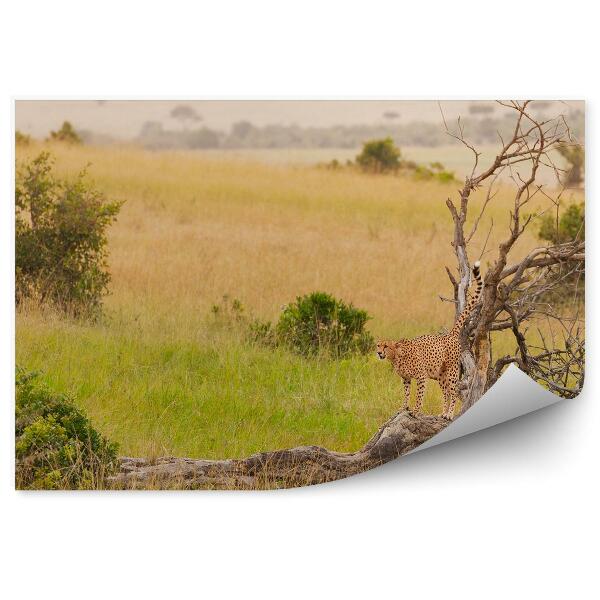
[(193, 229)]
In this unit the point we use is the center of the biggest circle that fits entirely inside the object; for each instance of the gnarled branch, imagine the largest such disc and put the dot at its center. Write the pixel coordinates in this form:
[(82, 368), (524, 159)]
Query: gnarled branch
[(304, 465)]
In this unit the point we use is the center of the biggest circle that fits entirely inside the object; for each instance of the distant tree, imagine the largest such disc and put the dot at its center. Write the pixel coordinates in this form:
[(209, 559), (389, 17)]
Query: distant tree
[(391, 115), (66, 134), (379, 156), (202, 138), (481, 109), (151, 134), (242, 129), (185, 114), (541, 106), (151, 128), (574, 154)]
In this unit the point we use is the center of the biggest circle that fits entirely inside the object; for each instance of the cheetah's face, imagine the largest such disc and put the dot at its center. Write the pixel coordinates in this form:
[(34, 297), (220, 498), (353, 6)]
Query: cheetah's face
[(383, 350)]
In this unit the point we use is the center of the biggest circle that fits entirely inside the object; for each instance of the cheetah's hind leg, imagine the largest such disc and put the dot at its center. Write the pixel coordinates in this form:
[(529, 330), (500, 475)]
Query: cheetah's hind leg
[(405, 404), (449, 387)]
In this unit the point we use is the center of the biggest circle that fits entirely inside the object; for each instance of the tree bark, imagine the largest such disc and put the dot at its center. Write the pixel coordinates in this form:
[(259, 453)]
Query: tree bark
[(304, 465)]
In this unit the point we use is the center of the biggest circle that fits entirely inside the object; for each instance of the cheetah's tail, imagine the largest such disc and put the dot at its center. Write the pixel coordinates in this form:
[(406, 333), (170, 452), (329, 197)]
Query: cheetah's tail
[(464, 315)]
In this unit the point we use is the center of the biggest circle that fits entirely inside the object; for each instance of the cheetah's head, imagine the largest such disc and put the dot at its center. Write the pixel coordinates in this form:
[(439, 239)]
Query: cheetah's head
[(385, 349)]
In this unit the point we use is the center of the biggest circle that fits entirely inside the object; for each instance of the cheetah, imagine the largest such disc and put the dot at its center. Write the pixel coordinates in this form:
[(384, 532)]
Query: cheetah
[(435, 357)]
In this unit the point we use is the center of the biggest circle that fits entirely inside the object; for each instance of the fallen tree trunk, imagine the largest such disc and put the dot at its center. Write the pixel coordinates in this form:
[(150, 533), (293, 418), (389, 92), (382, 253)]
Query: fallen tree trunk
[(304, 465)]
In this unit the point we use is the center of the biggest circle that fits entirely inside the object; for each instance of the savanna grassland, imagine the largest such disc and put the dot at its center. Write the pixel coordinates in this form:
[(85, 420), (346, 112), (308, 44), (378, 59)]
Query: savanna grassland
[(161, 375)]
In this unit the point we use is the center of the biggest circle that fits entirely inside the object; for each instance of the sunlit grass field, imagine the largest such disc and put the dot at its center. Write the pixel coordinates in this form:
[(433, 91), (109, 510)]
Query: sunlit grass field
[(160, 376)]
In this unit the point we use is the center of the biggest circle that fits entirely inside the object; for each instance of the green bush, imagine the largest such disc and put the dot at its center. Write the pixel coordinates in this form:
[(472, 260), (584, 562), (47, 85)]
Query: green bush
[(56, 446), (228, 312), (571, 225), (383, 156), (262, 332), (60, 239), (435, 170), (379, 156), (318, 323), (574, 155), (66, 134)]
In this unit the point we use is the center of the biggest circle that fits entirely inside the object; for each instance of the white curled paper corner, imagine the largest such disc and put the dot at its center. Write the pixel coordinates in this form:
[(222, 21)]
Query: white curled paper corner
[(513, 395)]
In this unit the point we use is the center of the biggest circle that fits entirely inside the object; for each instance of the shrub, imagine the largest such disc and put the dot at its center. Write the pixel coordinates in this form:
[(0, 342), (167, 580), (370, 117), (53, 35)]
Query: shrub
[(481, 108), (435, 170), (22, 139), (440, 173), (60, 238), (382, 156), (56, 446), (571, 225), (445, 176), (228, 312), (66, 134), (262, 332), (574, 155), (379, 156), (318, 323)]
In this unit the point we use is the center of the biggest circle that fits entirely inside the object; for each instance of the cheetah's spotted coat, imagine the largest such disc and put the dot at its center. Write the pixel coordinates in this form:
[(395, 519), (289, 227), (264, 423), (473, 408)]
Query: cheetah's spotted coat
[(435, 357)]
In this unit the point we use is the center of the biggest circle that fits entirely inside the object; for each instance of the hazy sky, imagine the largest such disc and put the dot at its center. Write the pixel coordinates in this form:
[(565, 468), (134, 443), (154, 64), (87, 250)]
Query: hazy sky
[(123, 119)]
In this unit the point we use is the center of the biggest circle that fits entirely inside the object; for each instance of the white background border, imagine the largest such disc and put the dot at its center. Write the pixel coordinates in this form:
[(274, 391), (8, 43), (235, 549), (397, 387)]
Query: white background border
[(511, 512)]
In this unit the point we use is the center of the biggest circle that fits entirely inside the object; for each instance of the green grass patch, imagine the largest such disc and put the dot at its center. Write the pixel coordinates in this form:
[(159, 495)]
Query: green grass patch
[(221, 398)]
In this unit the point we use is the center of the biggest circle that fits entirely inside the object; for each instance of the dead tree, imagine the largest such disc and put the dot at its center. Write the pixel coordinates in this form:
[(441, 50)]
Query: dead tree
[(515, 290)]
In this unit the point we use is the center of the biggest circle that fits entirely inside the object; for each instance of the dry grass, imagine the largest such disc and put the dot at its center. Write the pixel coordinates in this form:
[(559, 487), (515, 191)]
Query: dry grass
[(196, 227)]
